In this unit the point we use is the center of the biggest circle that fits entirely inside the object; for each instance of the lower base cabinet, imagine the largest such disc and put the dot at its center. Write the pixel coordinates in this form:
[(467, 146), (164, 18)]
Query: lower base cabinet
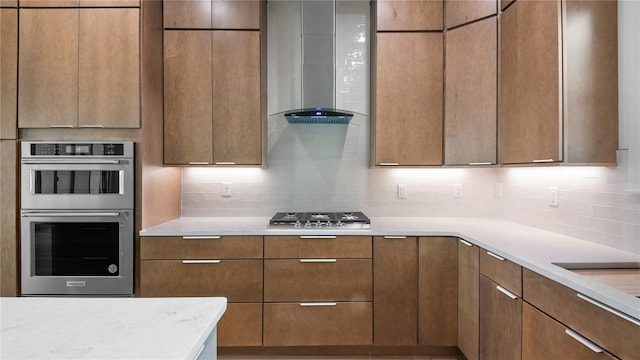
[(241, 325), (500, 323)]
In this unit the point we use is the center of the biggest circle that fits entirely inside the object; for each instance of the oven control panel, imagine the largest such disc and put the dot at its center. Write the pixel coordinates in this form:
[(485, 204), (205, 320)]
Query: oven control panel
[(77, 149)]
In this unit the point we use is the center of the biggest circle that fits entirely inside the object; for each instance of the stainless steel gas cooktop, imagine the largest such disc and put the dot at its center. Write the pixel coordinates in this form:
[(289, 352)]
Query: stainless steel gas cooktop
[(320, 220)]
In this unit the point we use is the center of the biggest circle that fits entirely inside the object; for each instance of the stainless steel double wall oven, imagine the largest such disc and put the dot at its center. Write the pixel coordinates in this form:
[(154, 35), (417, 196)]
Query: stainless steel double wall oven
[(77, 218)]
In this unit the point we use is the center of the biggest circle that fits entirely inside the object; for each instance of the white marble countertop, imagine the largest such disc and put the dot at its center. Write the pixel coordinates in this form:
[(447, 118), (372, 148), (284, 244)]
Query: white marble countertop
[(532, 248), (106, 328)]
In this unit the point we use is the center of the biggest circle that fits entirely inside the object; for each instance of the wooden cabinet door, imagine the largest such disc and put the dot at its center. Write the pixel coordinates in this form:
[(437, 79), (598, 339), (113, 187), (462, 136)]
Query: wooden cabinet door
[(395, 298), (468, 299), (187, 14), (49, 3), (237, 123), (109, 62), (500, 323), (408, 98), (530, 83), (235, 14), (471, 93), (109, 3), (187, 97), (458, 12), (8, 72), (395, 15), (241, 325), (48, 68), (438, 291), (9, 267)]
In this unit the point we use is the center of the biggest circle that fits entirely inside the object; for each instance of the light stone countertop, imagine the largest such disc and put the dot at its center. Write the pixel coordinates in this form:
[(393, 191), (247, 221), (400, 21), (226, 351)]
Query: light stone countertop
[(106, 328), (530, 247)]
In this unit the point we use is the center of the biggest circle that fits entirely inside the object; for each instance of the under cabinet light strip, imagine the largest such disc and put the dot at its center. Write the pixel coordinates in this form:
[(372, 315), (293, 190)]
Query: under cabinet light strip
[(480, 163), (543, 160)]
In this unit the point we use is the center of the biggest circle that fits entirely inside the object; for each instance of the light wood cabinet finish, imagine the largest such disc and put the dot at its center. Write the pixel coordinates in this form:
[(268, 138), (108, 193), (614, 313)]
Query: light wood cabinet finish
[(395, 283), (500, 323), (545, 338), (615, 334), (408, 98), (109, 63), (530, 82), (308, 280), (179, 248), (468, 299), (9, 252), (79, 3), (591, 88), (471, 92), (188, 90), (237, 280), (109, 3), (438, 291), (347, 323), (8, 3), (505, 3), (345, 247), (48, 68), (241, 325), (394, 15), (212, 14), (237, 130), (458, 12), (504, 272), (187, 14), (49, 3), (8, 72)]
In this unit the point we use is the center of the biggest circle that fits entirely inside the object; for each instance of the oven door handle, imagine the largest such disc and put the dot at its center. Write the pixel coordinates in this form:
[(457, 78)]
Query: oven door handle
[(70, 162), (70, 214)]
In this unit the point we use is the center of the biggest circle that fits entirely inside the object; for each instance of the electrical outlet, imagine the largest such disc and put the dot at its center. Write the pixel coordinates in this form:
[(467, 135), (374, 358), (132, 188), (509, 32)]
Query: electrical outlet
[(498, 190), (553, 196), (402, 191), (457, 191), (226, 189)]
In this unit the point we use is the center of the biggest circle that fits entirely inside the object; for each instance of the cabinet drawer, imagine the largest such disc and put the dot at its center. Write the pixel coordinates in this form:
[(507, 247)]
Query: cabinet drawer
[(545, 338), (348, 323), (502, 271), (237, 280), (317, 247), (617, 335), (317, 280), (201, 247), (241, 325)]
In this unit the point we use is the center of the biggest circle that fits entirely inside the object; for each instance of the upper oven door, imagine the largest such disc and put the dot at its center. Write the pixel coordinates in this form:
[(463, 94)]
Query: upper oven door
[(72, 183)]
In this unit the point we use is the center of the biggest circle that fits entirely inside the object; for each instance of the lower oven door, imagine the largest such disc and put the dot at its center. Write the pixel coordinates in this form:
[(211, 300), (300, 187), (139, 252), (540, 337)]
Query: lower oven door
[(77, 252)]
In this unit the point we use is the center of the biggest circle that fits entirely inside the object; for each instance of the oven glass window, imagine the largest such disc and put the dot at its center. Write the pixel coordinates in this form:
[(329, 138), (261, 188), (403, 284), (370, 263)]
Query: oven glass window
[(76, 249), (76, 182)]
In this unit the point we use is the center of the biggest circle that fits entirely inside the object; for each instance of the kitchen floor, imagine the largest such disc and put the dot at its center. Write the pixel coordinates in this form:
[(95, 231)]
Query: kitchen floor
[(336, 357)]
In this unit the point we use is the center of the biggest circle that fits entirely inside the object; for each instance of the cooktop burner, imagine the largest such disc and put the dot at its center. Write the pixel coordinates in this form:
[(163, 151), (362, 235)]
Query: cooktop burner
[(320, 220)]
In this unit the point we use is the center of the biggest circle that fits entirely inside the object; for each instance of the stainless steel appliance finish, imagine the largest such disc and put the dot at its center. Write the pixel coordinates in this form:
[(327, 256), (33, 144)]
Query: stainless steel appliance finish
[(320, 220), (77, 218)]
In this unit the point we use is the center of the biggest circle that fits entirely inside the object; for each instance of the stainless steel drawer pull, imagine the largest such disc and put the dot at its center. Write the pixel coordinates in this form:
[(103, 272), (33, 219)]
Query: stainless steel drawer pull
[(200, 237), (389, 164), (582, 340), (480, 163), (395, 237), (198, 163), (317, 237), (201, 261), (92, 126), (225, 162), (61, 126), (543, 160), (495, 256), (318, 304), (466, 242), (506, 292), (609, 309), (318, 260)]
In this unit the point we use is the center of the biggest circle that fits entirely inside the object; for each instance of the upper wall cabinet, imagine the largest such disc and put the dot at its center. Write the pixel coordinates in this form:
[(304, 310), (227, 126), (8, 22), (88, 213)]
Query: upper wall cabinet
[(458, 12), (79, 68), (408, 15), (79, 3), (8, 72), (211, 14)]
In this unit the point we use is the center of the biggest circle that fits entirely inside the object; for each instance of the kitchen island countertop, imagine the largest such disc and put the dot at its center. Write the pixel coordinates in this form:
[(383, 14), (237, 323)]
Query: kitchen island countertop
[(535, 249)]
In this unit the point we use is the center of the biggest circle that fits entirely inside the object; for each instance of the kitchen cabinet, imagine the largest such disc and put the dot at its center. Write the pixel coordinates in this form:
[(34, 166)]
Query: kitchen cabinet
[(505, 3), (212, 14), (9, 251), (409, 15), (79, 68), (212, 102), (458, 12), (395, 303), (471, 70), (9, 3), (79, 3), (408, 98), (8, 72), (468, 299)]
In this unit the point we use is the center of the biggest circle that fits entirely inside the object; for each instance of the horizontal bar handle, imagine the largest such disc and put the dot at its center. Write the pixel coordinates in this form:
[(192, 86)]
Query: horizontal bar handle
[(318, 260), (389, 164), (201, 261), (96, 126), (70, 214), (318, 304), (495, 256), (506, 292), (543, 160), (609, 309), (198, 163), (466, 242), (61, 126), (317, 237), (225, 162), (200, 237), (480, 163), (584, 341), (395, 237), (70, 162)]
